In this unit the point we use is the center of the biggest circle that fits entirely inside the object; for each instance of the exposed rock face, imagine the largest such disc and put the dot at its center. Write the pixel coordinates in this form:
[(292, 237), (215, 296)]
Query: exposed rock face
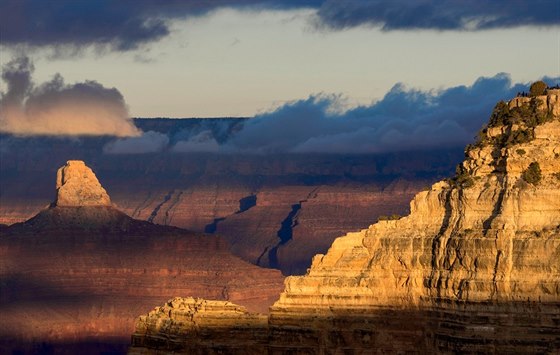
[(478, 262), (290, 224), (77, 185), (197, 326), (73, 278), (330, 211), (282, 226), (474, 268), (548, 102)]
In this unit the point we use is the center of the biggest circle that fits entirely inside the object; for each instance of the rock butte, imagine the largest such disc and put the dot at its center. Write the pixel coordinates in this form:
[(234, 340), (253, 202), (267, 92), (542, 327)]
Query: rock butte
[(474, 268), (77, 185), (74, 277)]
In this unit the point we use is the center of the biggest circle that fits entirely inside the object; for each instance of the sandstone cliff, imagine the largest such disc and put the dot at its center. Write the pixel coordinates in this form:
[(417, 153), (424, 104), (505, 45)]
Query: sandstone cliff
[(474, 268), (74, 277)]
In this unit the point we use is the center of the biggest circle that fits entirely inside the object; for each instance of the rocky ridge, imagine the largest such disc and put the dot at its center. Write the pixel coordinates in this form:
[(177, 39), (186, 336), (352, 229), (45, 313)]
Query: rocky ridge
[(475, 267)]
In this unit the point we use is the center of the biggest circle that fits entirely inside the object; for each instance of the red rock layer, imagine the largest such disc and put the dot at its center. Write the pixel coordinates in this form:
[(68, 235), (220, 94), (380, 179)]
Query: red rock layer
[(71, 275), (331, 211), (254, 233), (316, 197)]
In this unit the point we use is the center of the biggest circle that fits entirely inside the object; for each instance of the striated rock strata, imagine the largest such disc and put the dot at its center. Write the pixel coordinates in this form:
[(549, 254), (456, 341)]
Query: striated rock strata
[(276, 212), (73, 278), (199, 326), (474, 268)]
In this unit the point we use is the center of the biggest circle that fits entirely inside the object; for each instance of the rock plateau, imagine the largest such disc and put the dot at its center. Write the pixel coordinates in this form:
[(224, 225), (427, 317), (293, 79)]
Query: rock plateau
[(474, 268)]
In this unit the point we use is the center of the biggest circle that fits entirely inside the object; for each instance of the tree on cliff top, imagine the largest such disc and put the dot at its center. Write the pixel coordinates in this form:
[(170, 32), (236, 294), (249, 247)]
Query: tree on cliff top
[(537, 88)]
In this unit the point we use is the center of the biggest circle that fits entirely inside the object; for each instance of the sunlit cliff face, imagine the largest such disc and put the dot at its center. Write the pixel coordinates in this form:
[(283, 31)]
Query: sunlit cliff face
[(56, 108)]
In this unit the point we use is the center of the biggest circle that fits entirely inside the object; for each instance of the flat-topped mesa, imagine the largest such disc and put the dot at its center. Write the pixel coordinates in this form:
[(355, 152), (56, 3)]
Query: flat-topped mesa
[(77, 186)]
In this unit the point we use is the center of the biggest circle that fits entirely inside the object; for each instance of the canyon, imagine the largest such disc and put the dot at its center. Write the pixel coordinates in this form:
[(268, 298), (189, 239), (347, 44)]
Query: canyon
[(276, 210), (74, 276), (474, 267)]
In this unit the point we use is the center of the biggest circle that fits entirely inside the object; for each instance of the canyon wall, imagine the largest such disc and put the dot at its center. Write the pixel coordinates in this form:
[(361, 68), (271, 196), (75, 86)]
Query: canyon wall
[(275, 211), (474, 267)]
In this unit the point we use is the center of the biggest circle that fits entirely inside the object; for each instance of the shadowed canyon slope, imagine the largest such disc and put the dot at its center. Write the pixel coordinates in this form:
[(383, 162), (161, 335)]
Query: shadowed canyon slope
[(474, 268), (74, 277), (275, 210)]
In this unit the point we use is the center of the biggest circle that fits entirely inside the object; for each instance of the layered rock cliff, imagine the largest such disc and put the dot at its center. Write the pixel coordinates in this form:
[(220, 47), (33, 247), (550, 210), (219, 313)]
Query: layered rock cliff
[(474, 268), (198, 326), (74, 277)]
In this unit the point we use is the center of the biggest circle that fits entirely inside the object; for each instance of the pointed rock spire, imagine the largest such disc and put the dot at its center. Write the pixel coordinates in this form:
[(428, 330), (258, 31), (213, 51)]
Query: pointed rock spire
[(77, 185)]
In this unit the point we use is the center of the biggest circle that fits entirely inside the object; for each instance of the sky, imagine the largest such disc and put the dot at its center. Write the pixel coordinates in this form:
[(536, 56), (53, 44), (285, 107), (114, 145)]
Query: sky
[(249, 58)]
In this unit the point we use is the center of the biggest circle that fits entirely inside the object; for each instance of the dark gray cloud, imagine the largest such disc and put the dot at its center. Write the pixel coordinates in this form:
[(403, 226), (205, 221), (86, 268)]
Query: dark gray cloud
[(127, 24), (56, 108), (117, 25), (17, 76), (404, 119), (439, 14)]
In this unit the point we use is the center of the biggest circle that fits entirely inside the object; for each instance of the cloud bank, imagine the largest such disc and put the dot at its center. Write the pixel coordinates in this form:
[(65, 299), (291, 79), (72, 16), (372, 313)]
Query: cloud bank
[(127, 24), (116, 25), (404, 119), (148, 142), (203, 142), (56, 108)]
